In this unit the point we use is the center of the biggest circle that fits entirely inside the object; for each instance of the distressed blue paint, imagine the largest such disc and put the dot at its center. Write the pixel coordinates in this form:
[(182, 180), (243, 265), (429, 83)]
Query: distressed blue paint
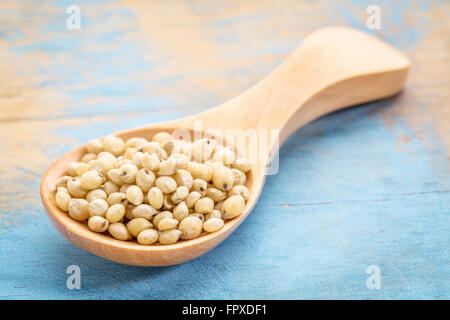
[(344, 215), (114, 73), (392, 18), (345, 198)]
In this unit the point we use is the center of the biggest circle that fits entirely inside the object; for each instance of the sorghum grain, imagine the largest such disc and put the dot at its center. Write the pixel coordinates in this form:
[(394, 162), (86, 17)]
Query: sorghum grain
[(98, 207), (115, 213), (158, 190), (98, 224), (137, 225), (213, 224), (148, 236), (190, 228), (155, 198)]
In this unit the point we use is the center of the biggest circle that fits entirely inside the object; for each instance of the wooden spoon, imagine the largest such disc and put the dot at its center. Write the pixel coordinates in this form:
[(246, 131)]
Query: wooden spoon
[(334, 68)]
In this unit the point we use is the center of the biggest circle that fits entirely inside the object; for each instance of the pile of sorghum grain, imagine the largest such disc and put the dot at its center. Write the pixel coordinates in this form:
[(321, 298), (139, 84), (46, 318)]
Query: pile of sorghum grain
[(155, 191)]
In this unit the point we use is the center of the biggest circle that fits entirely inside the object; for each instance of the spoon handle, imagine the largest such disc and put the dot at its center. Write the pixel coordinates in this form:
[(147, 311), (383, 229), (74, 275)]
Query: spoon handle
[(334, 68)]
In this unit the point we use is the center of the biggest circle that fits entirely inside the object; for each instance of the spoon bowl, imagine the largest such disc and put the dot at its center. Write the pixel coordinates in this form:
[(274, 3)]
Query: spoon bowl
[(334, 68), (131, 252)]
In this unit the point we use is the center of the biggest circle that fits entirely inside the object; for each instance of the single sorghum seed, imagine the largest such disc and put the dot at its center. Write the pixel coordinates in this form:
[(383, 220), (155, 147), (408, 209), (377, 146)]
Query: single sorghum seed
[(96, 194), (166, 184), (137, 158), (242, 164), (200, 186), (181, 211), (233, 206), (202, 149), (117, 198), (98, 224), (180, 194), (81, 168), (168, 167), (98, 207), (150, 161), (71, 169), (190, 228), (110, 187), (128, 173), (223, 178), (135, 195), (115, 213), (119, 231), (148, 236), (137, 225), (239, 177), (75, 188), (144, 211), (115, 175), (155, 198), (91, 180), (162, 137), (169, 236), (200, 171), (107, 155), (94, 146), (167, 224), (145, 179), (204, 205), (78, 209), (213, 224), (114, 145), (62, 200), (239, 190), (184, 178), (215, 194), (88, 157)]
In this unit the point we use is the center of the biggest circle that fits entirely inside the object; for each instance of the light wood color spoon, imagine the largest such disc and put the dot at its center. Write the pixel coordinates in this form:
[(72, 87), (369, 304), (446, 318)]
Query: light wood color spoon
[(334, 68)]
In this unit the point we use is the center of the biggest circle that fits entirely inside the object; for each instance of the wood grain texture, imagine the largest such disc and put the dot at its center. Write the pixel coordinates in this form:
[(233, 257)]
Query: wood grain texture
[(384, 203)]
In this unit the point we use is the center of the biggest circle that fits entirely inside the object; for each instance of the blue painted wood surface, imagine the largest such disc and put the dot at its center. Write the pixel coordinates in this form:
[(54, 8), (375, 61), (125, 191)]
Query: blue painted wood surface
[(365, 186)]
